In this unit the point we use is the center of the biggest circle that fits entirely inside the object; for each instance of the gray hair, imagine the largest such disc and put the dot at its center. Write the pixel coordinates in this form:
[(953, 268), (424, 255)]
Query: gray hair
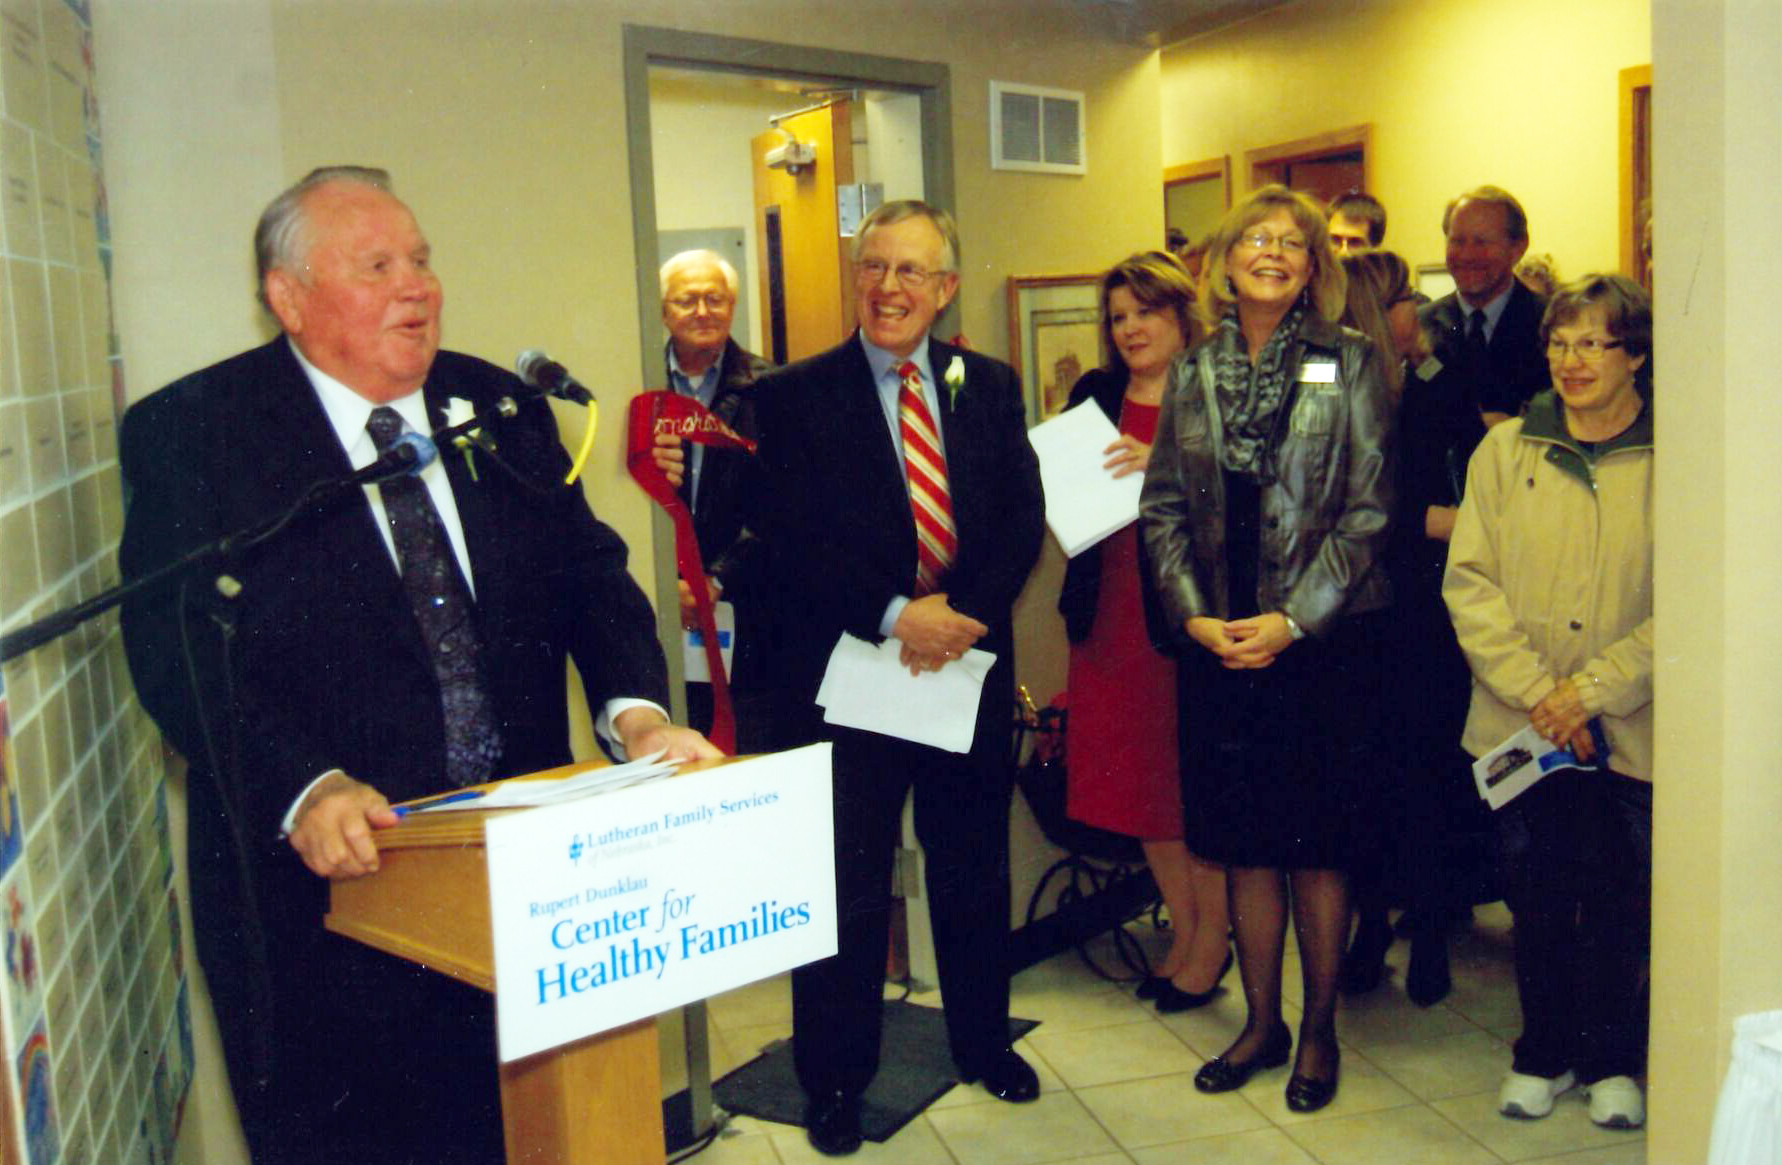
[(281, 239), (892, 213), (687, 260)]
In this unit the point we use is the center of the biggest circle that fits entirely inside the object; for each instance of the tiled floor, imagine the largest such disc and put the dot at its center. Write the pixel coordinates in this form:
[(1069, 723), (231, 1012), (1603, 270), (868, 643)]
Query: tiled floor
[(1419, 1085)]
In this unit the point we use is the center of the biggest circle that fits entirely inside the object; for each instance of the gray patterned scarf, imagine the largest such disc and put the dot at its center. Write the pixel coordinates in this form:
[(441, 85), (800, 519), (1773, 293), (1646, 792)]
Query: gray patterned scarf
[(1249, 396)]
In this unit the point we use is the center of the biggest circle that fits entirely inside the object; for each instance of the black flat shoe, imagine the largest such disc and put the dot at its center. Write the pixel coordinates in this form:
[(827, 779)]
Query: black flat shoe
[(1364, 963), (1006, 1077), (1306, 1094), (1223, 1075), (1149, 986), (1171, 999), (832, 1124)]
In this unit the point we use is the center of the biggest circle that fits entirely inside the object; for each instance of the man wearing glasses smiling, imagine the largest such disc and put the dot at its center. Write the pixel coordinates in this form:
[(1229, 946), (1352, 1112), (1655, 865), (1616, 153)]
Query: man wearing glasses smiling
[(901, 500)]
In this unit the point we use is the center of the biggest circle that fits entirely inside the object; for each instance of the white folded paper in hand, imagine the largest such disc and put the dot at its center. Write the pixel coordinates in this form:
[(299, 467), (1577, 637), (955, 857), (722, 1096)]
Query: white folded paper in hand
[(869, 688), (1084, 502)]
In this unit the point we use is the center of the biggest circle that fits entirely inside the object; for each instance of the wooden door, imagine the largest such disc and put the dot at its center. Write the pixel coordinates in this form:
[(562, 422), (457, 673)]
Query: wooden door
[(802, 261)]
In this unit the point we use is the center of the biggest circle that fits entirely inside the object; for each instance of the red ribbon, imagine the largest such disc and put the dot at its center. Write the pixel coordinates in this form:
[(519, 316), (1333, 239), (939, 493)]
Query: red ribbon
[(662, 412)]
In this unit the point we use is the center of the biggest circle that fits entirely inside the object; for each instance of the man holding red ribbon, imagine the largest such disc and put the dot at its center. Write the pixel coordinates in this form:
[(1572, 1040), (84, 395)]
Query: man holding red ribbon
[(692, 450), (900, 498)]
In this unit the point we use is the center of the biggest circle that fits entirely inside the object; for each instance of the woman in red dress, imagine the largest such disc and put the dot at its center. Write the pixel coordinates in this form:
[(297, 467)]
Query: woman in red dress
[(1121, 750)]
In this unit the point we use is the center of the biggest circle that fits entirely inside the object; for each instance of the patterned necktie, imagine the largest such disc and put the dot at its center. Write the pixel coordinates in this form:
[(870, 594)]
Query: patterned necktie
[(936, 539), (445, 610)]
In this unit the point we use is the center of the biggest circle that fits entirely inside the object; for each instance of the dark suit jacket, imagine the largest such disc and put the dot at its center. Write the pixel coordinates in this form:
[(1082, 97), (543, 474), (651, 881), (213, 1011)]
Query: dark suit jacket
[(330, 665), (836, 513), (1082, 575), (1516, 367)]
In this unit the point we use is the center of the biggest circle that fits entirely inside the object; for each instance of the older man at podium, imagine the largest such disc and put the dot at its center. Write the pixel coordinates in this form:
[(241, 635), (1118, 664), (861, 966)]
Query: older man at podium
[(382, 644)]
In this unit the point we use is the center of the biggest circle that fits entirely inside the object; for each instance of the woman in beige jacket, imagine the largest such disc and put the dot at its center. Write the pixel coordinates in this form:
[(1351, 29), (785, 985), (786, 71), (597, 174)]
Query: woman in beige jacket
[(1549, 582)]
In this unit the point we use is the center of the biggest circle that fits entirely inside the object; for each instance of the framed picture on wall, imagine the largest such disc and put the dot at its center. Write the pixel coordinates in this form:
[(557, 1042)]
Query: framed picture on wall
[(1054, 337)]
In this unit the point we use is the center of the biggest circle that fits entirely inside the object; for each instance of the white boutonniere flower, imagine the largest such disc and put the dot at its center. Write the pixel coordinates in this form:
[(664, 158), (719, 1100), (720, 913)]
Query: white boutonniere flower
[(955, 378), (458, 411)]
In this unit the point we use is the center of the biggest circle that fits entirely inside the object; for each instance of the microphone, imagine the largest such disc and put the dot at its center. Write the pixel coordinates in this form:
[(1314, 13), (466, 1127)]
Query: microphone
[(408, 455), (545, 374)]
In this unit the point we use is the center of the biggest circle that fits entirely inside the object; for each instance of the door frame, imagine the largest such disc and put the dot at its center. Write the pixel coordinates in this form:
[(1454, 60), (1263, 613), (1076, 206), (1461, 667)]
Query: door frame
[(646, 45), (1310, 149)]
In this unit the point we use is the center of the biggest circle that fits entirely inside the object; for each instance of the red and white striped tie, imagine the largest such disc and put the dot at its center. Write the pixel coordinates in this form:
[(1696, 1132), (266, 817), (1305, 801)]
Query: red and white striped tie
[(936, 539)]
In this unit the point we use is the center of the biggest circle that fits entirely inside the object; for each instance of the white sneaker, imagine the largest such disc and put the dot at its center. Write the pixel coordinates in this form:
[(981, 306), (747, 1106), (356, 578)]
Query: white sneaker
[(1616, 1102), (1531, 1097)]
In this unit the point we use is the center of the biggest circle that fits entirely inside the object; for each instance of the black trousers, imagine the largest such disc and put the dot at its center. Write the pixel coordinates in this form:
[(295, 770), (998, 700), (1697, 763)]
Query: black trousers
[(1577, 855), (962, 821)]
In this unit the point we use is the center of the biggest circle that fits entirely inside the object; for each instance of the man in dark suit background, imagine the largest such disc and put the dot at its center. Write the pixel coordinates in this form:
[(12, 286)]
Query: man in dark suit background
[(699, 291), (1486, 333), (864, 542), (349, 691)]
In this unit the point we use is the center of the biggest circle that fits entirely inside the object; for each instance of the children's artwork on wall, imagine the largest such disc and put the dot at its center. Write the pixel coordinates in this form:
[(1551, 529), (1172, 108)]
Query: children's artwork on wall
[(85, 857)]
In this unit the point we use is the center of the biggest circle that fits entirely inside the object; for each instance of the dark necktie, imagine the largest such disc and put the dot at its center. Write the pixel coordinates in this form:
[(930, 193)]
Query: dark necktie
[(444, 608), (1475, 338), (930, 502)]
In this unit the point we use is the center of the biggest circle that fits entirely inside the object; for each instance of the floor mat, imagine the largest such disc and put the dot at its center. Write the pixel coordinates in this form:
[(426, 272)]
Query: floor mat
[(915, 1067)]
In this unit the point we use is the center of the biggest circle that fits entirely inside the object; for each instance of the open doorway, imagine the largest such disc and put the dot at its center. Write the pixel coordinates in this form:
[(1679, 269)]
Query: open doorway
[(1196, 196), (691, 169), (700, 132)]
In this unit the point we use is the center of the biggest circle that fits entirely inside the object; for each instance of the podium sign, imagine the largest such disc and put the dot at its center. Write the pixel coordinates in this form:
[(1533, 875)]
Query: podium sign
[(630, 903)]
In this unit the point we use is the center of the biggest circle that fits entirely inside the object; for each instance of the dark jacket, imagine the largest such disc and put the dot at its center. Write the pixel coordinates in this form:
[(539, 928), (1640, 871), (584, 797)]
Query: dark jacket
[(1081, 595), (1515, 365), (332, 668), (836, 512), (724, 477), (1325, 504)]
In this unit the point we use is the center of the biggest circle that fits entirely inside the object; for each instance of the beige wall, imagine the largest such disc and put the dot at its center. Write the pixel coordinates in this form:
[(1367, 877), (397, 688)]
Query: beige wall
[(1717, 867), (1521, 93)]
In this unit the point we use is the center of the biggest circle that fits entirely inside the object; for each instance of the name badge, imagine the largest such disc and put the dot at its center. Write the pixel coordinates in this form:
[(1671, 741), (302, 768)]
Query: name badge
[(1428, 369), (1318, 372)]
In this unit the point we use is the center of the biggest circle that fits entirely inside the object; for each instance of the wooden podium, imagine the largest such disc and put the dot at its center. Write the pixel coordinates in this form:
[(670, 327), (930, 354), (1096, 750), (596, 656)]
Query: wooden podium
[(593, 1100)]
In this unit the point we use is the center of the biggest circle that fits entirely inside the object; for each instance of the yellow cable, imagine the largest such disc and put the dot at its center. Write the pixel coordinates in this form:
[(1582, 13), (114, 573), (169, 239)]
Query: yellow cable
[(581, 458)]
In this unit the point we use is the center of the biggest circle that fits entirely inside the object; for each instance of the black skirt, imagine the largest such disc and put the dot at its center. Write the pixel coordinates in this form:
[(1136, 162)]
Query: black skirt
[(1279, 764)]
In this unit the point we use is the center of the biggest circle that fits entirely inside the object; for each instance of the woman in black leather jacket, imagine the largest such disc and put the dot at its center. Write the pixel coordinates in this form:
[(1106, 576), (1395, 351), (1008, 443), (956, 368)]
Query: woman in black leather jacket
[(1264, 514)]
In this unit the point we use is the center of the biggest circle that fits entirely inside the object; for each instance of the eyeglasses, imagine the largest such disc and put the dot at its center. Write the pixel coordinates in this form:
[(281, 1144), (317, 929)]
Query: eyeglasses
[(711, 300), (870, 272), (1589, 349), (1262, 241)]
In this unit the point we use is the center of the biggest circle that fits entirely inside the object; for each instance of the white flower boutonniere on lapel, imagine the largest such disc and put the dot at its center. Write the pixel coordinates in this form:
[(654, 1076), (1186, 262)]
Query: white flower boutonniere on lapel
[(955, 378), (458, 411)]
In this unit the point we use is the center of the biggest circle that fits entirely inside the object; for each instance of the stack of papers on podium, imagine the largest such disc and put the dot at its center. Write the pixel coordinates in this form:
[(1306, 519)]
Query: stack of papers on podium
[(1084, 502), (869, 688), (522, 792)]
